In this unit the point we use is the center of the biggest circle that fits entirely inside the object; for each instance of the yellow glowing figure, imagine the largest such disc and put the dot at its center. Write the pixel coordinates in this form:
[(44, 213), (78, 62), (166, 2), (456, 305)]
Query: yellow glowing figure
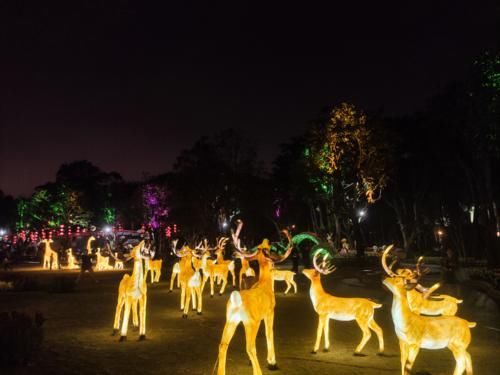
[(329, 307), (50, 256), (190, 279), (89, 244), (420, 298), (208, 267), (71, 260), (251, 306), (118, 263), (229, 264), (154, 267), (287, 277), (245, 271), (176, 269), (415, 331), (132, 292), (102, 262)]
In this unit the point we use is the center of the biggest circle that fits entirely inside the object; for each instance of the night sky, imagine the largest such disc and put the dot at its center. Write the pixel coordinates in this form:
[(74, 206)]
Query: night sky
[(127, 86)]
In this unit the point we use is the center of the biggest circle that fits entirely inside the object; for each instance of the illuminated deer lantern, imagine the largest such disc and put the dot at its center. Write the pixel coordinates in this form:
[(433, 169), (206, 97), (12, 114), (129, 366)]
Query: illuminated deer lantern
[(102, 262), (245, 271), (286, 276), (176, 269), (50, 256), (154, 267), (71, 260), (132, 292), (253, 305), (189, 278), (89, 244), (328, 307), (420, 298), (228, 264), (118, 263), (429, 332)]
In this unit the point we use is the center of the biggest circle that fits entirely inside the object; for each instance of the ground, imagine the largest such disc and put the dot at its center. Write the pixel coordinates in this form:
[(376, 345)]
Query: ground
[(78, 332)]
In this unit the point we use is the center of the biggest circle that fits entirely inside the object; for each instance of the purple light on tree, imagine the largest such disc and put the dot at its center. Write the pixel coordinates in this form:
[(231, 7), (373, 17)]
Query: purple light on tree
[(155, 208)]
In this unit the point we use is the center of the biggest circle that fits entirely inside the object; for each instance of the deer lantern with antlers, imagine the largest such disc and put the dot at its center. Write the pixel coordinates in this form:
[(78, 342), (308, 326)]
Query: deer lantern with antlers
[(253, 305), (420, 298), (131, 292), (429, 332), (328, 307), (189, 278)]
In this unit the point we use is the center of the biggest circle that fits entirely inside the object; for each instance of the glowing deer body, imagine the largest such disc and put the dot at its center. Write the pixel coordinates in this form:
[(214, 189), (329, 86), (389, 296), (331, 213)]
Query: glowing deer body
[(89, 244), (118, 263), (190, 279), (429, 332), (245, 271), (154, 267), (132, 291), (287, 277), (50, 256), (250, 307), (419, 298), (102, 262), (223, 264), (329, 307), (71, 260)]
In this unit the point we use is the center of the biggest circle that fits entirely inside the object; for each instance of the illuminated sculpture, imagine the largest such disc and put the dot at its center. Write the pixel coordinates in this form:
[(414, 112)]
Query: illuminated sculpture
[(71, 260), (245, 270), (229, 264), (189, 278), (132, 292), (429, 332), (344, 309), (420, 298), (102, 262), (50, 256), (253, 305), (176, 269), (154, 266), (286, 276), (89, 244), (118, 263)]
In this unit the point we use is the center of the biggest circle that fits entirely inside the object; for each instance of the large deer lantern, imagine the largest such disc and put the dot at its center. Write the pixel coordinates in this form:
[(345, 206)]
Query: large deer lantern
[(50, 256), (429, 332), (329, 307), (132, 292), (253, 305)]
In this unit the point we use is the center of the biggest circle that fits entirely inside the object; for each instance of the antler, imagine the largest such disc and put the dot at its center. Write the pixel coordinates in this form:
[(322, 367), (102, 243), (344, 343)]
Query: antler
[(384, 261), (182, 253), (280, 258), (240, 251), (325, 267)]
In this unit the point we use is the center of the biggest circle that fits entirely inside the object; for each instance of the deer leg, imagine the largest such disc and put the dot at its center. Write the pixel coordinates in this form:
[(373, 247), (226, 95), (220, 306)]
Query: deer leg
[(186, 302), (193, 297), (294, 285), (224, 283), (200, 295), (288, 286), (363, 325), (172, 279), (233, 277), (126, 316), (119, 306), (326, 332), (135, 319), (251, 329), (212, 286), (403, 347), (240, 278), (271, 355), (142, 311), (319, 331), (460, 358), (227, 335), (380, 335), (412, 354), (468, 363), (183, 295)]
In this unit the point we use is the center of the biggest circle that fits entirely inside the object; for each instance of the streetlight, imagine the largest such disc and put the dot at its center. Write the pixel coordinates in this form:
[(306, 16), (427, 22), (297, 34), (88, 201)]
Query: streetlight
[(361, 215), (107, 229), (3, 232)]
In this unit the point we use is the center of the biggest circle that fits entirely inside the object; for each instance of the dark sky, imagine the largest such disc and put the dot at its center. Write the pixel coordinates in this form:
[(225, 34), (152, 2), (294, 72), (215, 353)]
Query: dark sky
[(127, 85)]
